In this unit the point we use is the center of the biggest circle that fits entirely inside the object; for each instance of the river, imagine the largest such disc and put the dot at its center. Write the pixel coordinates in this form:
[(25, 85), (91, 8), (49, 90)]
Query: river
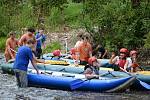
[(10, 91)]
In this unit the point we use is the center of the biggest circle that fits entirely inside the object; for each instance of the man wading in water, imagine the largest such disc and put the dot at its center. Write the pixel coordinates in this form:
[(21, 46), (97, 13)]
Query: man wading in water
[(21, 63)]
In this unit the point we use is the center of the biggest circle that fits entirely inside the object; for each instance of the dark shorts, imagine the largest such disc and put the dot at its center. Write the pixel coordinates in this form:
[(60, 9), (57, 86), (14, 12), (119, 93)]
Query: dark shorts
[(38, 52), (83, 63), (21, 77)]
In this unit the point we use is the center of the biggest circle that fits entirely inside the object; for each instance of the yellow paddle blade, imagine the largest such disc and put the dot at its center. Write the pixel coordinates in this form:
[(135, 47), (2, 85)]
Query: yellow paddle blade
[(55, 62), (144, 72)]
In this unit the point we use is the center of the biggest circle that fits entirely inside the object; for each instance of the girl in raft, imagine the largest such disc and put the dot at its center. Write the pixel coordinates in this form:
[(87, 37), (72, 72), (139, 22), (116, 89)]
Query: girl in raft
[(120, 62), (91, 70), (132, 62)]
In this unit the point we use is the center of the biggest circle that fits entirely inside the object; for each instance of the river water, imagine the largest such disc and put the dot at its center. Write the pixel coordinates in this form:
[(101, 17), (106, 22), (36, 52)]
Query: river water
[(10, 91)]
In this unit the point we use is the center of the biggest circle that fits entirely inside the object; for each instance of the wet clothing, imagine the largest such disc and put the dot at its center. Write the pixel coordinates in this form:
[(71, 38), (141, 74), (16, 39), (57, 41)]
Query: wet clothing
[(22, 58), (21, 77), (11, 45)]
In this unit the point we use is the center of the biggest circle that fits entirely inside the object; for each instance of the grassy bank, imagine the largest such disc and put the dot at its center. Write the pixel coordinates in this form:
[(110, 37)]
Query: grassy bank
[(2, 43)]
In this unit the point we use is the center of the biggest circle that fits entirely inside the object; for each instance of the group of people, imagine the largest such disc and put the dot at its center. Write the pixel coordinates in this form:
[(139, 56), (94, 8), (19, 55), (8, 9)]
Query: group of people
[(12, 42), (82, 52), (29, 50)]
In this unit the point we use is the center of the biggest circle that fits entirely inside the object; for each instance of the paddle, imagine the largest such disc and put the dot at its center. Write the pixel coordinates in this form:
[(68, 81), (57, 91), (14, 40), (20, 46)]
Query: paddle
[(79, 82), (145, 85)]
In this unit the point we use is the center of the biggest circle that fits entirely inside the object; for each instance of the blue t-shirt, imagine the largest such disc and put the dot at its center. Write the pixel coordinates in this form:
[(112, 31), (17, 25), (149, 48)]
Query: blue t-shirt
[(39, 42), (22, 58)]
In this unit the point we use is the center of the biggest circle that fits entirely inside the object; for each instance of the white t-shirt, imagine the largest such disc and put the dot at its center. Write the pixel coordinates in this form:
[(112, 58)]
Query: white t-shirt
[(129, 62)]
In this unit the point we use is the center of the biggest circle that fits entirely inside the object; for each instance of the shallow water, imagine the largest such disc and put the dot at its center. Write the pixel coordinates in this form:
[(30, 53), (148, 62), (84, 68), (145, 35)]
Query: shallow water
[(10, 91)]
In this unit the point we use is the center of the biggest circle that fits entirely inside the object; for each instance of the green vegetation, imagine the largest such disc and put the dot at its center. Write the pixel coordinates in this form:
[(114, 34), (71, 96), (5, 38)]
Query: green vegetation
[(2, 43), (51, 47), (113, 23)]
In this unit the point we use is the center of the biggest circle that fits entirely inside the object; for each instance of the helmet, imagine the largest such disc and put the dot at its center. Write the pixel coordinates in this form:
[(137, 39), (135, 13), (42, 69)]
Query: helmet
[(56, 52), (72, 51), (124, 50), (91, 60), (133, 52)]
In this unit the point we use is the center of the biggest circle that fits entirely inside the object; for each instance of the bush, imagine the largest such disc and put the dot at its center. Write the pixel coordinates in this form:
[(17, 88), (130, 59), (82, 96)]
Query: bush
[(2, 43), (51, 47)]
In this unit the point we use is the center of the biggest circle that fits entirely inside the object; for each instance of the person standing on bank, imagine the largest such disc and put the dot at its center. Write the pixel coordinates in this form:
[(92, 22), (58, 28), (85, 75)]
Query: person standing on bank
[(40, 38), (21, 63), (11, 44), (25, 37)]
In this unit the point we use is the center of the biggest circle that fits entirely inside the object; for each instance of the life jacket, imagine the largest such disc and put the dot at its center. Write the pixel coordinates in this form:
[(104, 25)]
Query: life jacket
[(95, 70), (121, 63)]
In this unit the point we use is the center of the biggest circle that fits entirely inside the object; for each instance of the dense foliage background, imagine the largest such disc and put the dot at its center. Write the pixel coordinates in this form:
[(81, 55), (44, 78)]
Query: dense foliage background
[(113, 23)]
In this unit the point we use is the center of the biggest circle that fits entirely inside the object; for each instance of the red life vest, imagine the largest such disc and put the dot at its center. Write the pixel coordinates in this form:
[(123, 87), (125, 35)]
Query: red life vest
[(121, 63)]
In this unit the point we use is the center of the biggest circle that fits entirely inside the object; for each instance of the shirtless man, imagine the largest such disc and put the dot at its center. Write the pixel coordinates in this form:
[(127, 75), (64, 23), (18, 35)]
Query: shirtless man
[(11, 44), (27, 36)]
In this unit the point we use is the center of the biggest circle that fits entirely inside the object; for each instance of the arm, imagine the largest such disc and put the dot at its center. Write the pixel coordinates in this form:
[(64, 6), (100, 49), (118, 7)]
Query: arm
[(32, 60), (21, 41), (126, 65), (104, 54), (88, 74), (113, 59), (34, 65), (9, 49), (38, 60)]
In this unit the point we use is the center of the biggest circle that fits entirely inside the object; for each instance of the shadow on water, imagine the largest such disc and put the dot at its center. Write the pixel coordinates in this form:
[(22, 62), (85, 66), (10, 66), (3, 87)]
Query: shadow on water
[(10, 91)]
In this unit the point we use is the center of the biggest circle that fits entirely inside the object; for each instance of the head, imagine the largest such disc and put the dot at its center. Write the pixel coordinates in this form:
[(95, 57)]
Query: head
[(41, 30), (133, 54), (85, 39), (56, 53), (93, 61), (72, 51), (12, 35), (31, 31), (123, 52), (31, 43)]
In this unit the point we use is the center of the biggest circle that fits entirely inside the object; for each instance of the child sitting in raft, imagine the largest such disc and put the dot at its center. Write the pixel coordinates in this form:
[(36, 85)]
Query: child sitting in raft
[(120, 62), (132, 62), (56, 55), (91, 70)]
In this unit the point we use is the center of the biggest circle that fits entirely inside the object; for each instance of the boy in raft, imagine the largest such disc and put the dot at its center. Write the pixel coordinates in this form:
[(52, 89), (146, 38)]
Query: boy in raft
[(132, 62), (21, 63), (56, 55), (11, 44), (120, 62), (25, 37), (91, 70), (84, 52), (40, 38)]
